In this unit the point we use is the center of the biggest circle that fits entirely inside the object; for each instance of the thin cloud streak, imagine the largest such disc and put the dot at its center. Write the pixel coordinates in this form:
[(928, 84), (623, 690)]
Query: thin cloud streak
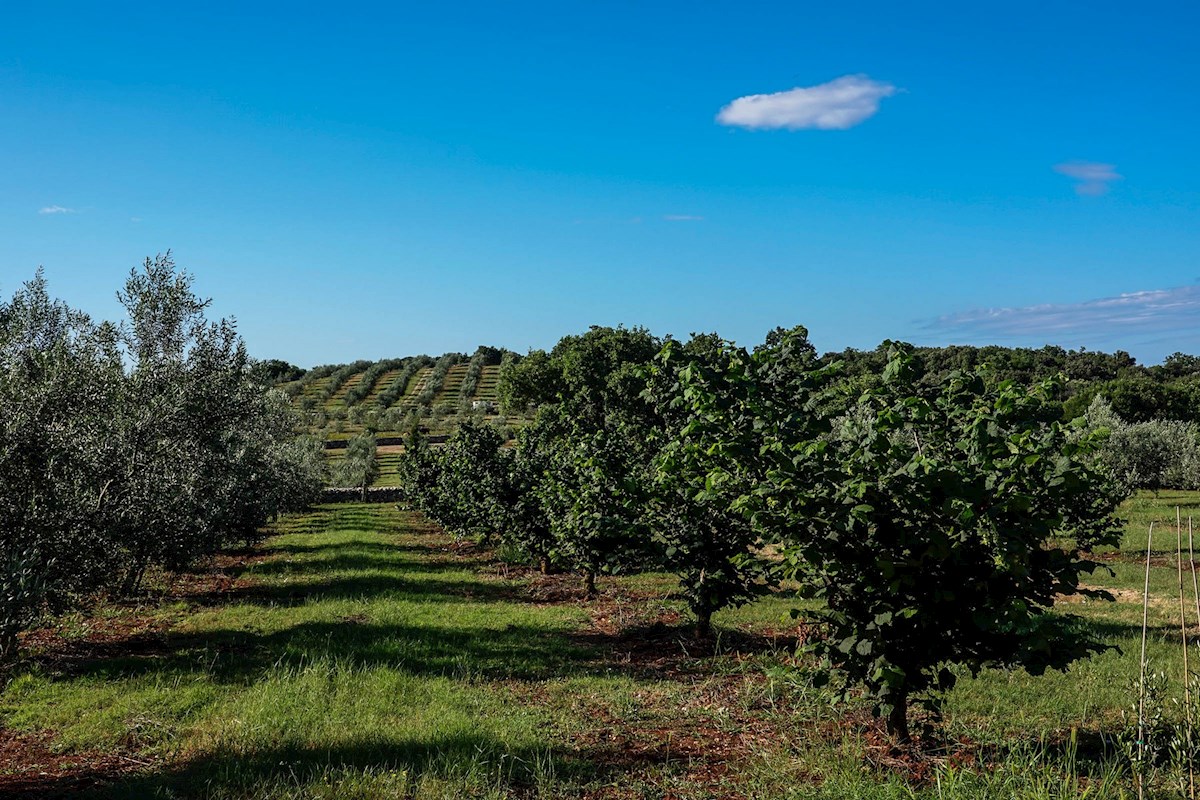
[(56, 210), (1092, 179), (839, 104), (682, 217), (1129, 314)]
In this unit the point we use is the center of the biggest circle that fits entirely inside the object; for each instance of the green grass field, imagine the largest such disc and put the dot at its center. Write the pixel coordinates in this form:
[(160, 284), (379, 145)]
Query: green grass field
[(360, 652)]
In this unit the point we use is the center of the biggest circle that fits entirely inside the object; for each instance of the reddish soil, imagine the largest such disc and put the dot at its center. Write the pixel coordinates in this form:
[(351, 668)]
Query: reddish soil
[(30, 766)]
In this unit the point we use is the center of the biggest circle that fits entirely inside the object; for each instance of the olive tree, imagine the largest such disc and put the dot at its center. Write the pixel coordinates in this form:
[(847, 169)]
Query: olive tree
[(124, 447), (360, 466), (59, 376), (1157, 454)]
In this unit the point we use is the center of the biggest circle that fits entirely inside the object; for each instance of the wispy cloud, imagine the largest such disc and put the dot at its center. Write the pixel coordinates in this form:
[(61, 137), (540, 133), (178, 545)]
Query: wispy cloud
[(842, 103), (682, 218), (56, 210), (1176, 310), (1091, 179)]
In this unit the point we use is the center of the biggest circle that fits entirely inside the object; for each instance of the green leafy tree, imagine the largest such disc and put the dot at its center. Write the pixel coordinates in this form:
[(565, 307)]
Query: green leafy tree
[(528, 381), (360, 467), (702, 538), (470, 482), (189, 424), (526, 521), (597, 422), (418, 470), (930, 522), (59, 387), (121, 448), (593, 504)]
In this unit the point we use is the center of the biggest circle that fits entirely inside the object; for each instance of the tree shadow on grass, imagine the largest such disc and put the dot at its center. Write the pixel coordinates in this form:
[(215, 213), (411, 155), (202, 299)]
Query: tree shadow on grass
[(515, 652), (350, 562), (475, 759)]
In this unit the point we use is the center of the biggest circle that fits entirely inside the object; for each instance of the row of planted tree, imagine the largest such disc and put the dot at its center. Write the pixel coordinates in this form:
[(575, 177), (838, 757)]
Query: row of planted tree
[(131, 446), (935, 520)]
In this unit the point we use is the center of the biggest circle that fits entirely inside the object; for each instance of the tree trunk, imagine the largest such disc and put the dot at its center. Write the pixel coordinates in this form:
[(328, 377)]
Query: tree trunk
[(8, 649), (589, 582), (364, 491), (704, 623), (897, 719), (132, 580)]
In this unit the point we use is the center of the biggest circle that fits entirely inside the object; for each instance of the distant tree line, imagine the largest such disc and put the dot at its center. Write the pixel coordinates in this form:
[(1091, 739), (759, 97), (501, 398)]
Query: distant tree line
[(937, 512), (1170, 390), (1137, 393), (131, 446)]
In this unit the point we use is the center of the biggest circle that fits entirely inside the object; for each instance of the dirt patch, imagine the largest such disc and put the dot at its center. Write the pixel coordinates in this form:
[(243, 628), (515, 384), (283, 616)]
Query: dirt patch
[(31, 768), (138, 627), (1119, 595), (1168, 560), (215, 579)]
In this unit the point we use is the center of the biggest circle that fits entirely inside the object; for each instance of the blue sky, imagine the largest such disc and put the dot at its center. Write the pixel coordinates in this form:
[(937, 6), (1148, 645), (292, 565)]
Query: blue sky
[(363, 182)]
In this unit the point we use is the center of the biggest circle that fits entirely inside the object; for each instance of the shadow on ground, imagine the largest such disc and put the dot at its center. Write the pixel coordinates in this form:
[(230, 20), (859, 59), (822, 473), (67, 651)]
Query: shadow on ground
[(400, 764)]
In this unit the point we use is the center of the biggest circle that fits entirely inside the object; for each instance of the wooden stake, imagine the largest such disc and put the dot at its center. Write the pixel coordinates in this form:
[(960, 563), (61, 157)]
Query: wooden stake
[(1142, 677), (1186, 677), (1187, 689)]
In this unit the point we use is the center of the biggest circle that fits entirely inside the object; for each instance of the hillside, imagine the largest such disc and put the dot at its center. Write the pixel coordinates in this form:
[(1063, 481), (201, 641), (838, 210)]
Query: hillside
[(390, 396)]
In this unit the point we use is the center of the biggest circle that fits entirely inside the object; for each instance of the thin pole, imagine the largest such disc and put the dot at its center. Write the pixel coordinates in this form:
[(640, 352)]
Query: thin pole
[(1187, 690), (1187, 677), (1195, 583), (1142, 678)]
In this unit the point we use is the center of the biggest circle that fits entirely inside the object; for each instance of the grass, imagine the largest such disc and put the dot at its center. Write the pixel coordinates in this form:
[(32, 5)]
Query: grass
[(360, 652)]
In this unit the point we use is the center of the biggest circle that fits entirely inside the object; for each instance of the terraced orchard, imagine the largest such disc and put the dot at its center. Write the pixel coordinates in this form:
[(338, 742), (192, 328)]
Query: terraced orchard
[(390, 396)]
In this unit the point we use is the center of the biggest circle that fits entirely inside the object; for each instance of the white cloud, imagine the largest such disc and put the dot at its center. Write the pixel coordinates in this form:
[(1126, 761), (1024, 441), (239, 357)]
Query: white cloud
[(56, 210), (682, 218), (842, 103), (1091, 178), (1174, 310)]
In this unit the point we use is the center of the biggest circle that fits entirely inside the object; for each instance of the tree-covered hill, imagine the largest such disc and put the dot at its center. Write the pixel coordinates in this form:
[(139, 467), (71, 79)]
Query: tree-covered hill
[(438, 393)]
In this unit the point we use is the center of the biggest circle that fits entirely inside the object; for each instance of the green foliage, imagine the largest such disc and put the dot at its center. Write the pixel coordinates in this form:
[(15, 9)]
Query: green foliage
[(702, 539), (433, 384), (525, 522), (360, 467), (471, 476), (528, 381), (121, 448), (59, 388), (1155, 455), (338, 378), (598, 450), (359, 392), (592, 499), (930, 523), (1143, 397), (274, 371), (388, 397), (484, 357)]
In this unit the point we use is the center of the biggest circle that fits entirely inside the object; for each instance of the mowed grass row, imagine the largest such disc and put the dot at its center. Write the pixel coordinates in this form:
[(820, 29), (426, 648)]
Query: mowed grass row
[(363, 654), (366, 656)]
